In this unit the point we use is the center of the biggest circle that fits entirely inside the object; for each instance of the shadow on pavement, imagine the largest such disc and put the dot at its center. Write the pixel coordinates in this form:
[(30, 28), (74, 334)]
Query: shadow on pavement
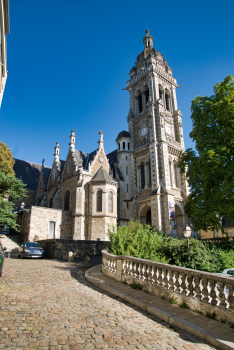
[(77, 271)]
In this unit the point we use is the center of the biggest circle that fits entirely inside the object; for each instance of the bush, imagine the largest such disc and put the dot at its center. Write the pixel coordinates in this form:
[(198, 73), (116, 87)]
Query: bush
[(142, 241)]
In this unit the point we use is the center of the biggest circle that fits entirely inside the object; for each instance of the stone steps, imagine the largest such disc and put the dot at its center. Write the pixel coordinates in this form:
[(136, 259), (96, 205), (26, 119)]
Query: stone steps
[(11, 243)]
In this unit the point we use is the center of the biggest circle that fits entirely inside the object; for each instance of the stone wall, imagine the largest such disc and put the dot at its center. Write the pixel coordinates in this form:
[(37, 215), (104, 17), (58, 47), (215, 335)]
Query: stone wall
[(40, 220), (55, 248)]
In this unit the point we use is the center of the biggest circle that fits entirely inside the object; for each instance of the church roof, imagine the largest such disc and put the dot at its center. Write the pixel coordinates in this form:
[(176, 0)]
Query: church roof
[(102, 175), (28, 172), (123, 133), (112, 157)]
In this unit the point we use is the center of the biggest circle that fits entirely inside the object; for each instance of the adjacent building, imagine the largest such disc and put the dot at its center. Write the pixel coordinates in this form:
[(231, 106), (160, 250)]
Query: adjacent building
[(5, 29)]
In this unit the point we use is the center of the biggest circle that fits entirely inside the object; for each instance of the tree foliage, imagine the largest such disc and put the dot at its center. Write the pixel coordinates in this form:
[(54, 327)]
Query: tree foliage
[(10, 188), (6, 160), (210, 170)]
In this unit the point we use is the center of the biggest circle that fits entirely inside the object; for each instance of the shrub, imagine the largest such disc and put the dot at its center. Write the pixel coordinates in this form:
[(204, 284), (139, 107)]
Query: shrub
[(142, 241)]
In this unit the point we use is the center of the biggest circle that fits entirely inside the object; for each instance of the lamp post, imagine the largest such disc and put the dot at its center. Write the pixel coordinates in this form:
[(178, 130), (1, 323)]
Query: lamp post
[(187, 233)]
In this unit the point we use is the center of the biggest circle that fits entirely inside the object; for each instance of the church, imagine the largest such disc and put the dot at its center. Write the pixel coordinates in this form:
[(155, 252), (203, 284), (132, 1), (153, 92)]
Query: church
[(79, 198)]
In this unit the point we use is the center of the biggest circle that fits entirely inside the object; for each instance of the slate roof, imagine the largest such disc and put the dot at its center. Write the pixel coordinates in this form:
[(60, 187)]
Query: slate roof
[(123, 133), (27, 172), (112, 157), (102, 175)]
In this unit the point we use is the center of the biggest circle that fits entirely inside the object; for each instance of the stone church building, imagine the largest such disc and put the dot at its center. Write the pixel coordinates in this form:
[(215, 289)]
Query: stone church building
[(80, 197)]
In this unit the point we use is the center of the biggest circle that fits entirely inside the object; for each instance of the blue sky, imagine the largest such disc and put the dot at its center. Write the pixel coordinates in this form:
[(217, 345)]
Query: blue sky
[(68, 62)]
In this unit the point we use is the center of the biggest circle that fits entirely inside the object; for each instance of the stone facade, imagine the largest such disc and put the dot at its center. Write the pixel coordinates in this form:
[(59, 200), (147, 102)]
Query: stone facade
[(78, 200), (151, 188)]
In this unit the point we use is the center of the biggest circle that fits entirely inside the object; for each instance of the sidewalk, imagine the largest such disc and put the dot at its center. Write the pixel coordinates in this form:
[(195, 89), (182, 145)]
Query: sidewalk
[(214, 332)]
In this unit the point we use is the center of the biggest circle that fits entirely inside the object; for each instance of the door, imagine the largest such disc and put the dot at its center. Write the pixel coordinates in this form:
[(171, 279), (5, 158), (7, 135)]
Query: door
[(51, 229)]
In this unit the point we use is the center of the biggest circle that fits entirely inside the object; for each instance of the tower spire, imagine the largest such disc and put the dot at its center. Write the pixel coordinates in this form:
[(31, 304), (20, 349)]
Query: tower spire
[(56, 152), (148, 40), (72, 140)]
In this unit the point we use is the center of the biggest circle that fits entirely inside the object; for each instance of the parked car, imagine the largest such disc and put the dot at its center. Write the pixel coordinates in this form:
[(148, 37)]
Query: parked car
[(2, 256), (31, 250), (228, 272)]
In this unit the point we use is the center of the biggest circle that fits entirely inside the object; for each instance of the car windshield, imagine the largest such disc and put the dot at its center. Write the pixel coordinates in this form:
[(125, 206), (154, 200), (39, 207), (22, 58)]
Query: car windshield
[(31, 244)]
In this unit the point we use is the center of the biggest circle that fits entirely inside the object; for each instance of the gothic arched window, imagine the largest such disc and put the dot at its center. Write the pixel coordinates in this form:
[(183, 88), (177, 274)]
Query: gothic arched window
[(99, 201), (167, 100), (110, 202), (142, 176), (67, 200)]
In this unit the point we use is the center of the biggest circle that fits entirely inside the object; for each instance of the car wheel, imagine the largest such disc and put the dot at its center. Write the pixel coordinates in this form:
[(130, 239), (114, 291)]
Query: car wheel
[(1, 273), (21, 256)]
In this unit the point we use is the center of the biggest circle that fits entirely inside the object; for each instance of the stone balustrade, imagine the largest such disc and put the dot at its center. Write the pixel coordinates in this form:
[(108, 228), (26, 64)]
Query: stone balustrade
[(203, 291)]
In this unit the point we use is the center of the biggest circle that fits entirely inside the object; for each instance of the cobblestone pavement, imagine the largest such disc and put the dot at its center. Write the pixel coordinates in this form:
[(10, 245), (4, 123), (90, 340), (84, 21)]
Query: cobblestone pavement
[(47, 304)]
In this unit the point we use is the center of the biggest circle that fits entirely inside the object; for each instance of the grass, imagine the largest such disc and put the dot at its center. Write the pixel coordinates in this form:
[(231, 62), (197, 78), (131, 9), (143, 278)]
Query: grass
[(198, 311), (211, 315), (162, 297), (184, 305), (173, 300), (136, 286)]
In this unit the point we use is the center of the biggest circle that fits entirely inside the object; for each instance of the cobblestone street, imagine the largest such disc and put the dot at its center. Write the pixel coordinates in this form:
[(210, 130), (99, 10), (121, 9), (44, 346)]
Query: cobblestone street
[(47, 304)]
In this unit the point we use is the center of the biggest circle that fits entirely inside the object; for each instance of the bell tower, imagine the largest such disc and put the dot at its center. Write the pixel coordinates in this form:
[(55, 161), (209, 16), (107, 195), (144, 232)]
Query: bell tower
[(155, 127)]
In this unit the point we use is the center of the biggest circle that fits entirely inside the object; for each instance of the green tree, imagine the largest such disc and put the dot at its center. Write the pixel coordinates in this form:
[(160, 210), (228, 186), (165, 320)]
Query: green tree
[(6, 160), (10, 188), (210, 170)]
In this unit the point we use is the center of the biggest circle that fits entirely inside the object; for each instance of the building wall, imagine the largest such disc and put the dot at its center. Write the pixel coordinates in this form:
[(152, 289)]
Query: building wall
[(39, 222)]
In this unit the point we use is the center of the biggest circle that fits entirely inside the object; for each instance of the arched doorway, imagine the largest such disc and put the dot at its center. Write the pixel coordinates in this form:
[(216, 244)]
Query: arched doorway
[(145, 215), (148, 217), (179, 219)]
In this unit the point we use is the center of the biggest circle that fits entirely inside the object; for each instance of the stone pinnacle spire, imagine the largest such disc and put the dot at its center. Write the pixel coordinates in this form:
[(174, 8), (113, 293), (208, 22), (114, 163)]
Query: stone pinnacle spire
[(148, 39)]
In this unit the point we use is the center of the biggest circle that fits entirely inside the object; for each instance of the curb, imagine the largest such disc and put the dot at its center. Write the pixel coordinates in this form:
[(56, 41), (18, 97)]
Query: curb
[(175, 321)]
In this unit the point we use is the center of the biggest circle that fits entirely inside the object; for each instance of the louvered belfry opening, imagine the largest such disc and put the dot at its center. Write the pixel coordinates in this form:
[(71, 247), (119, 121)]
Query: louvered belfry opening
[(139, 103), (167, 98), (142, 176), (146, 96), (160, 93)]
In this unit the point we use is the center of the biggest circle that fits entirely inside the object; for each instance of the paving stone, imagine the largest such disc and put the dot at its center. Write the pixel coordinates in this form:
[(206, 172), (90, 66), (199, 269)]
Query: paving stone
[(48, 305)]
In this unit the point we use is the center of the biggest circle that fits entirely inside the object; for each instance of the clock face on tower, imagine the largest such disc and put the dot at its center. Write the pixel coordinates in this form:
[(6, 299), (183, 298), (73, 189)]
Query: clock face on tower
[(143, 131)]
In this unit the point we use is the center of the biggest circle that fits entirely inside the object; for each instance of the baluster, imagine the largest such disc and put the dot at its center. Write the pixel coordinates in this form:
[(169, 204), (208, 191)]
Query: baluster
[(182, 283), (163, 278), (212, 294), (175, 279), (220, 298), (196, 287), (230, 296), (169, 279), (149, 274), (204, 290), (140, 271), (188, 286), (136, 271), (127, 268), (124, 267), (159, 277), (153, 274), (132, 269)]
